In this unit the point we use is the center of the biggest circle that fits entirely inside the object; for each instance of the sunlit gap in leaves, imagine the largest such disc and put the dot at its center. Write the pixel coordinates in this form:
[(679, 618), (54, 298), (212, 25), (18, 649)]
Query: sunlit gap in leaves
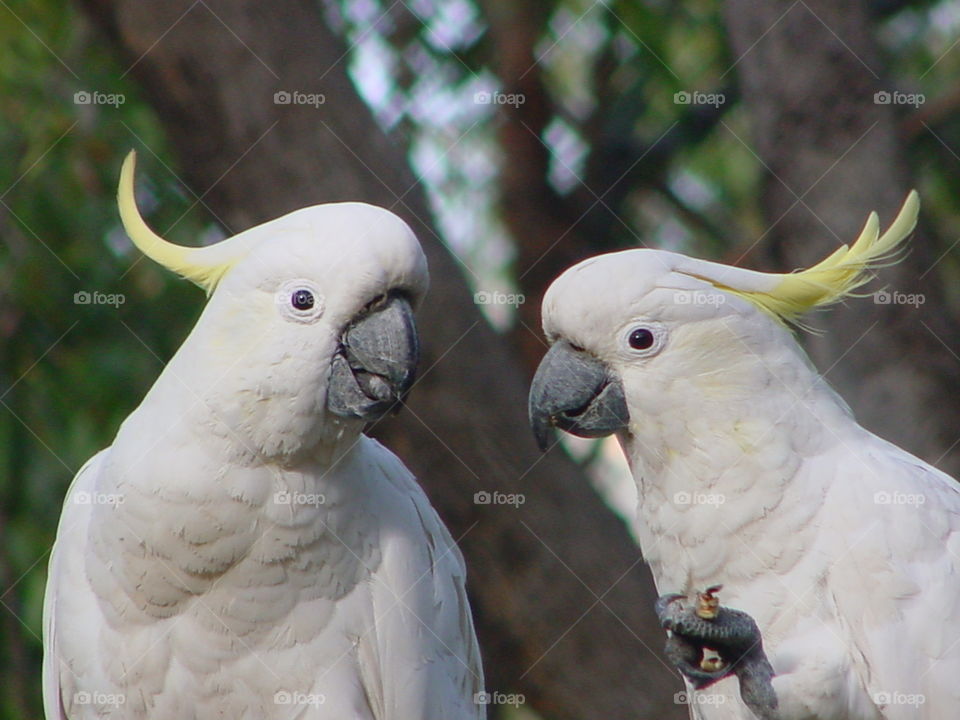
[(411, 64)]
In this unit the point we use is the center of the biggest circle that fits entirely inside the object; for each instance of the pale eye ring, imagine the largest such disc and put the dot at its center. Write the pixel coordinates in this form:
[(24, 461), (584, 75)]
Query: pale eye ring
[(300, 300), (644, 338)]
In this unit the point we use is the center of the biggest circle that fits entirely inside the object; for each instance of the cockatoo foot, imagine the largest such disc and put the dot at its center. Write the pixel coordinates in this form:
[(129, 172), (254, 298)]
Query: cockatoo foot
[(707, 643)]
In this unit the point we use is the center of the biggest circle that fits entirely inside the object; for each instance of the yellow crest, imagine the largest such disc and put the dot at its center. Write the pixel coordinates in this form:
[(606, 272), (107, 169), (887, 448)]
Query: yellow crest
[(837, 276), (203, 265)]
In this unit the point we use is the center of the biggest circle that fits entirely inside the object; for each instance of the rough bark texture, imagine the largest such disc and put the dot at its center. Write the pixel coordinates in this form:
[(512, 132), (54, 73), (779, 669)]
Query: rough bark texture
[(808, 74), (564, 608)]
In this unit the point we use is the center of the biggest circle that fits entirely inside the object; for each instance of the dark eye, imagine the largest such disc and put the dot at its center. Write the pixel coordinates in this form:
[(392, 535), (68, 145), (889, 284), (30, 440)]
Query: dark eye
[(302, 299), (375, 303), (641, 339)]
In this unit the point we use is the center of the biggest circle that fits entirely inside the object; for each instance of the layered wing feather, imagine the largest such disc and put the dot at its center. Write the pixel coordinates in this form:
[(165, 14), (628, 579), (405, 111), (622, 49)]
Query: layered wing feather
[(420, 652), (896, 585), (65, 578)]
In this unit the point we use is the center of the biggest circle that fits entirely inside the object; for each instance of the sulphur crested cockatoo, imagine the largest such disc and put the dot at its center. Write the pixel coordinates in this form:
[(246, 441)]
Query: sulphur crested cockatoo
[(241, 550), (752, 473)]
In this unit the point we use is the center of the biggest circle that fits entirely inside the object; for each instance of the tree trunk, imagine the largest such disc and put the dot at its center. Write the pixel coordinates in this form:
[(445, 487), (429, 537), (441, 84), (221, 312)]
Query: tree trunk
[(547, 227), (809, 72), (563, 604)]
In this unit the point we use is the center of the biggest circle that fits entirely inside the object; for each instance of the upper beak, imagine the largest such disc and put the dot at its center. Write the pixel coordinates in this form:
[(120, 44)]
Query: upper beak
[(576, 392), (376, 363)]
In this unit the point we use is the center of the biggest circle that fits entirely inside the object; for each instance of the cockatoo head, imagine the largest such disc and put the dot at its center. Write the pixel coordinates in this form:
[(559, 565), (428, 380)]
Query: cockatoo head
[(309, 329), (630, 330)]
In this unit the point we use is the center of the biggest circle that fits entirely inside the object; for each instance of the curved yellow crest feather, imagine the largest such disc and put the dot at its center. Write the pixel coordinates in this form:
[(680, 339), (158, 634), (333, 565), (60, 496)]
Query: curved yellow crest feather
[(202, 265), (837, 276)]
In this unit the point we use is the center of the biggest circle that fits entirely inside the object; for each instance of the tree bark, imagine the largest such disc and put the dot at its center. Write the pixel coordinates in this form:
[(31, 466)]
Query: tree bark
[(576, 634), (808, 73)]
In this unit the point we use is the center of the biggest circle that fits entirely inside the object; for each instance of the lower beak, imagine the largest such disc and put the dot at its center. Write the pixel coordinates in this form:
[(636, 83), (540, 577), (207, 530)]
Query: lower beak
[(375, 365), (576, 392)]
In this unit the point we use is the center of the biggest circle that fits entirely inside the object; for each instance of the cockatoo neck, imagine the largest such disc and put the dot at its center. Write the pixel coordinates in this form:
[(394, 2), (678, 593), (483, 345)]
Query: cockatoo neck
[(718, 460), (249, 422)]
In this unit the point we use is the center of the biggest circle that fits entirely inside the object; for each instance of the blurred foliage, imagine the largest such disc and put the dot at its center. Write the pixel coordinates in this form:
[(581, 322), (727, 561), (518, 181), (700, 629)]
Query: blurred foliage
[(70, 372)]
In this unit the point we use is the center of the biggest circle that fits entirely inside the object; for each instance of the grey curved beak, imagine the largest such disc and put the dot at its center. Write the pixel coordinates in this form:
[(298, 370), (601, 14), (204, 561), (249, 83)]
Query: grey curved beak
[(376, 363), (575, 392)]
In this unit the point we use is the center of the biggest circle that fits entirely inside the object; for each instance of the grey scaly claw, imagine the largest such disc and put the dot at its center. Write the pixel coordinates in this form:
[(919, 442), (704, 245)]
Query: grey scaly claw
[(707, 643)]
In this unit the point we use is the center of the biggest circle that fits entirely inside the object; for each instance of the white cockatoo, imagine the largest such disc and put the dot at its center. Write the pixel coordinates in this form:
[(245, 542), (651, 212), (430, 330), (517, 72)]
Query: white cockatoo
[(241, 550), (752, 473)]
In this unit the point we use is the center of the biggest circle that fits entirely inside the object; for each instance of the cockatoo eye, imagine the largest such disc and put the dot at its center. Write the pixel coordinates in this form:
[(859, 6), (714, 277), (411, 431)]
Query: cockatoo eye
[(375, 303), (641, 339), (646, 339), (299, 300), (302, 299)]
